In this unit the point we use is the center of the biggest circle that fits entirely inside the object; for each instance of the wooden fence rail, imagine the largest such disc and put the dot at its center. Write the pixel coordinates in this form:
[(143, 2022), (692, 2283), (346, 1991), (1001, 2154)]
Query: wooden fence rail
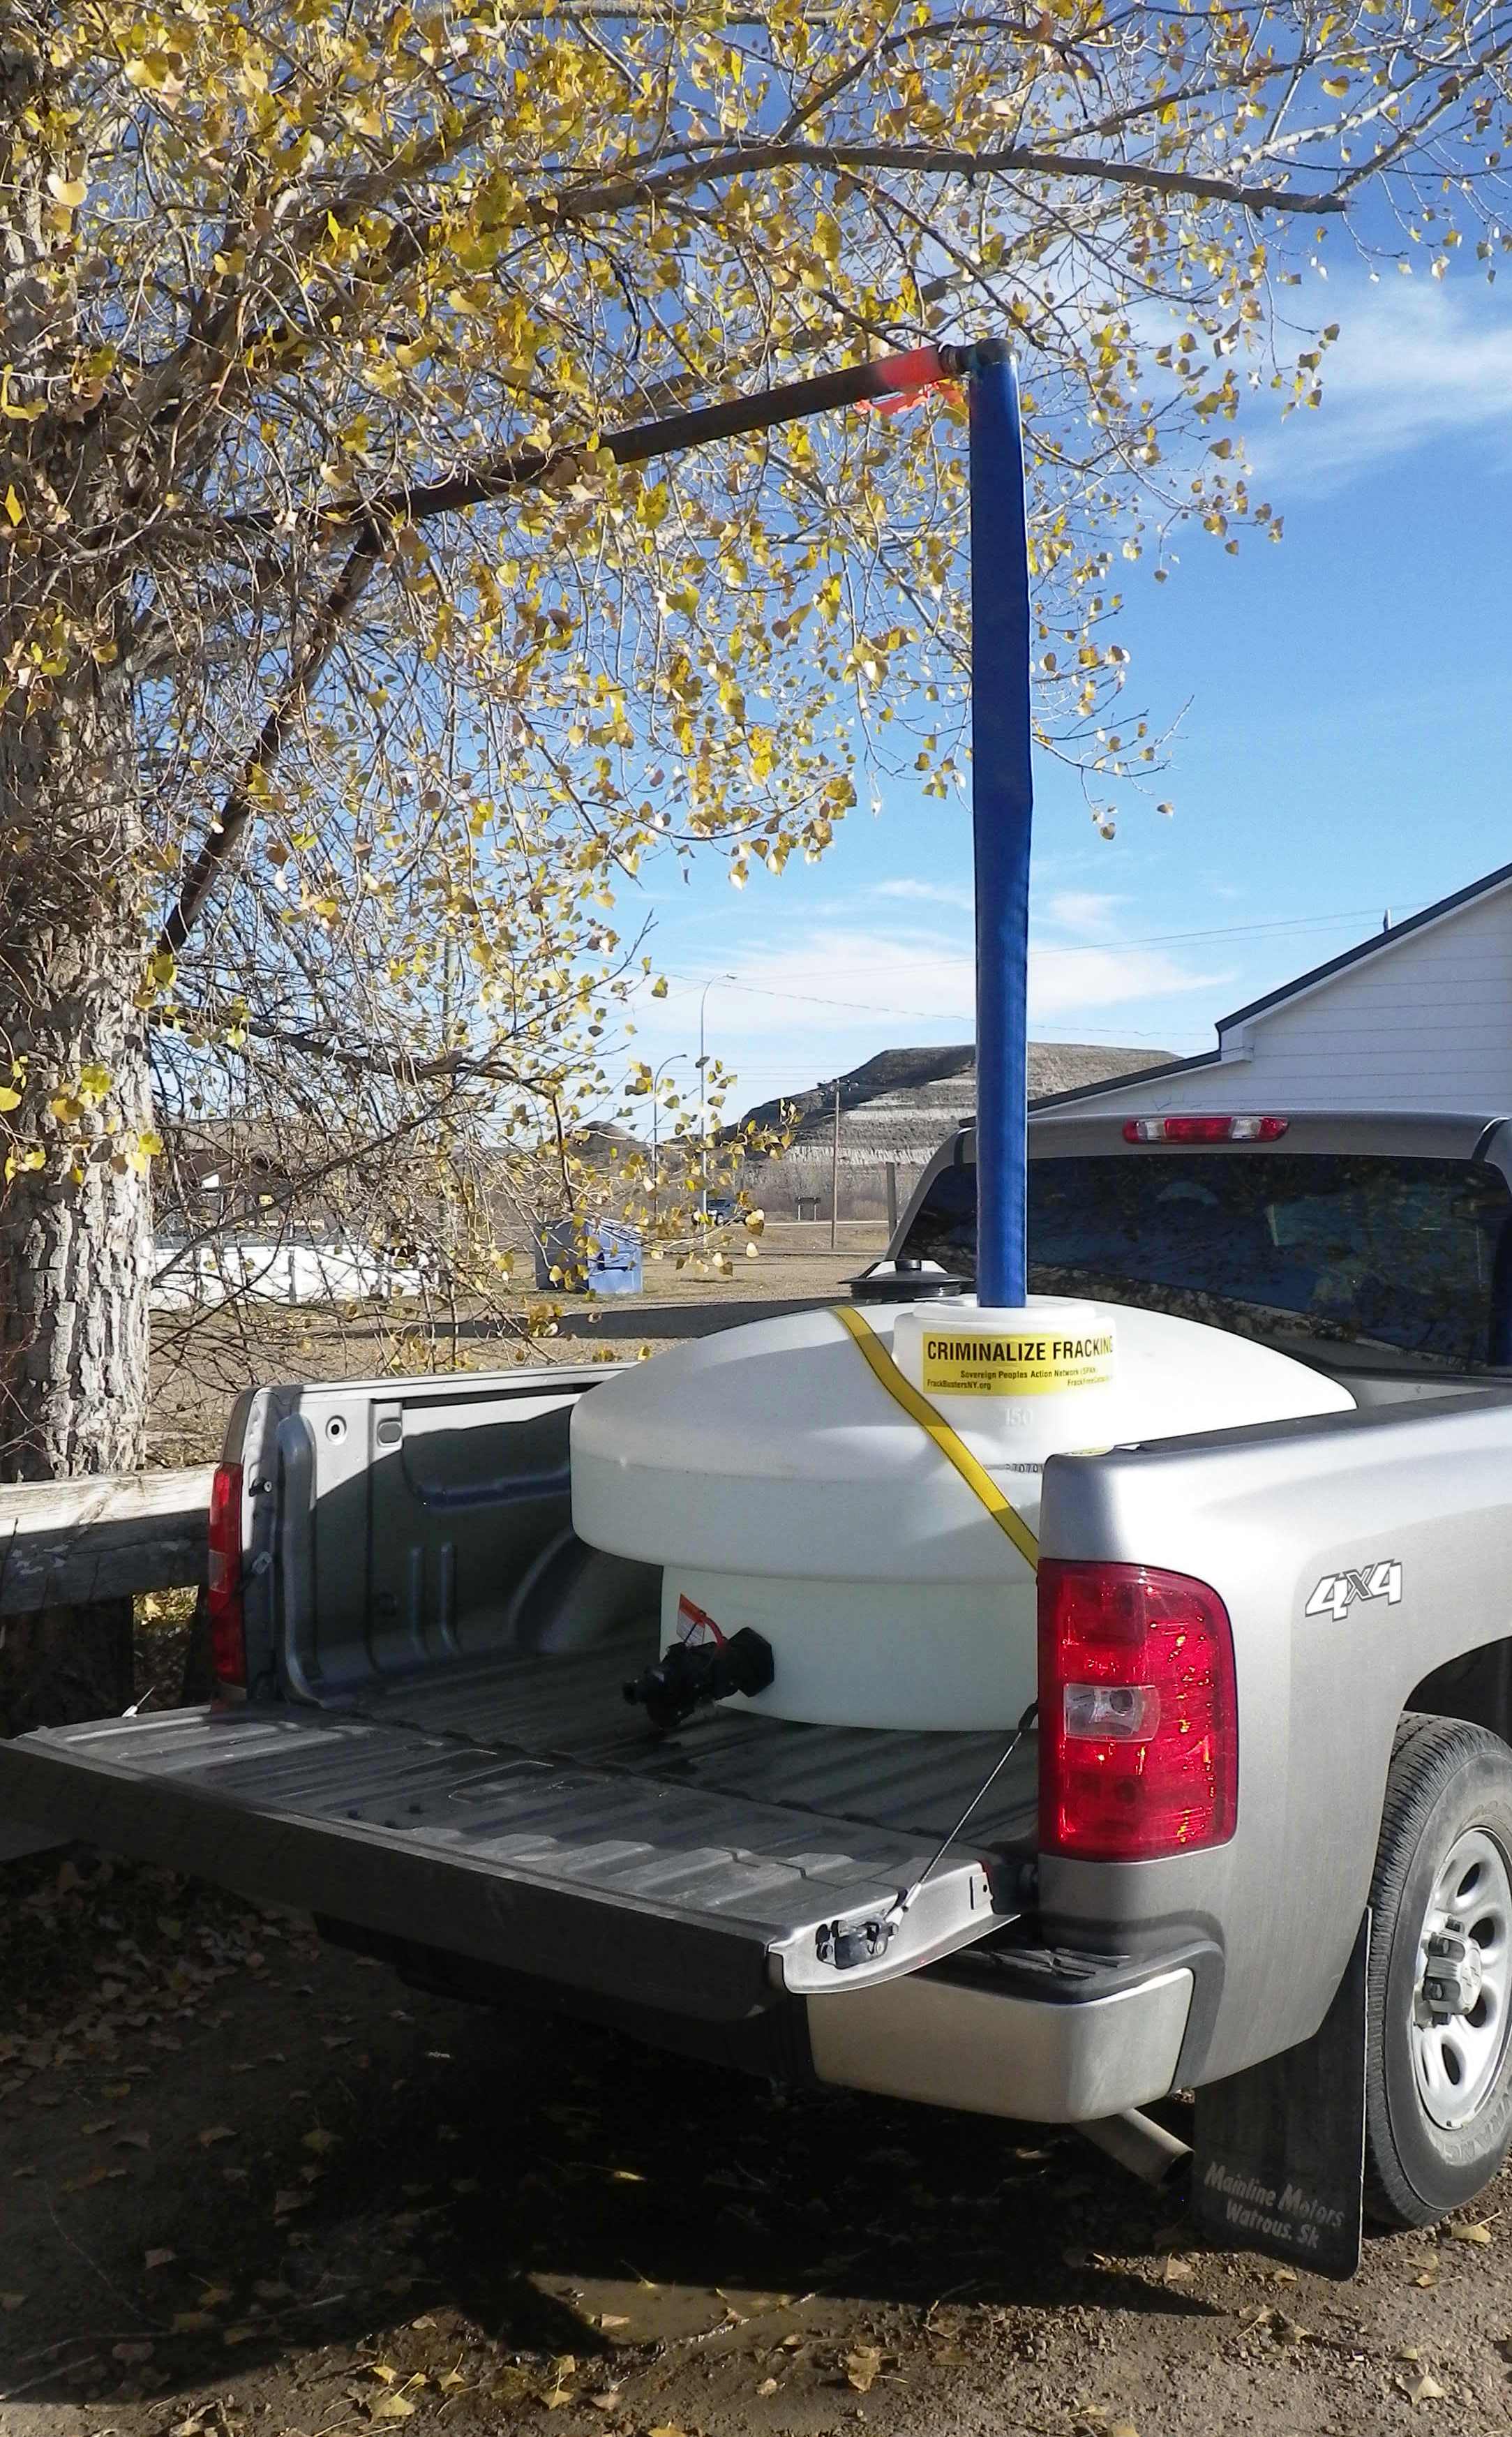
[(68, 1543)]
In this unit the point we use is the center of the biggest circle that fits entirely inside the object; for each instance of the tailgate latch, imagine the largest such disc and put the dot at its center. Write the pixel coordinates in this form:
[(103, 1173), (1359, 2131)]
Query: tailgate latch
[(843, 1944)]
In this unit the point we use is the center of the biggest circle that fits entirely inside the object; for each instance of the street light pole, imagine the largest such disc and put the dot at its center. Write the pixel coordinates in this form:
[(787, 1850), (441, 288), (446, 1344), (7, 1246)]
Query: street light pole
[(655, 1112), (702, 1095)]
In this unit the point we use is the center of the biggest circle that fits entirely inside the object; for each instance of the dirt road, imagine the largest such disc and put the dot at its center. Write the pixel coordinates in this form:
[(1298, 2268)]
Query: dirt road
[(250, 2185)]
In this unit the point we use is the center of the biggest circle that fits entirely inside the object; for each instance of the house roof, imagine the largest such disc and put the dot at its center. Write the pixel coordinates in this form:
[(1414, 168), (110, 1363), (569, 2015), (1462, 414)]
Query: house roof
[(1371, 947), (1377, 943)]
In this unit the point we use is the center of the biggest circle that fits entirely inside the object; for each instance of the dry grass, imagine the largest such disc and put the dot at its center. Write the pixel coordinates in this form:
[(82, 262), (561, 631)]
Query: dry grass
[(198, 1372)]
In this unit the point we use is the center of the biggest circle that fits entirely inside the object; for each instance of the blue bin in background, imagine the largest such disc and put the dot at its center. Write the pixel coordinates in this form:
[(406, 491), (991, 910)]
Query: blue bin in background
[(610, 1249)]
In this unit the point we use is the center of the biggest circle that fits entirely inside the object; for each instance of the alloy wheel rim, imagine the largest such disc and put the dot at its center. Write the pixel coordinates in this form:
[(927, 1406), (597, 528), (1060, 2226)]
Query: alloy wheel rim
[(1462, 1993)]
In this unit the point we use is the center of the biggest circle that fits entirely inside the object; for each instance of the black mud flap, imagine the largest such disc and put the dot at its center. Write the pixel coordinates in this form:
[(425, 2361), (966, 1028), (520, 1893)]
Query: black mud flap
[(1278, 2162)]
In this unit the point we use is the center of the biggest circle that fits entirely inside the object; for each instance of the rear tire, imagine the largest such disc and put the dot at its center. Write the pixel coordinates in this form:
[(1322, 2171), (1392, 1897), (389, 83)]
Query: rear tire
[(1438, 2024)]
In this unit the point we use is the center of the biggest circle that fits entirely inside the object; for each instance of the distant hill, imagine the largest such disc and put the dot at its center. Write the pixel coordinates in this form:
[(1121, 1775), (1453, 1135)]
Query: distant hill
[(902, 1103)]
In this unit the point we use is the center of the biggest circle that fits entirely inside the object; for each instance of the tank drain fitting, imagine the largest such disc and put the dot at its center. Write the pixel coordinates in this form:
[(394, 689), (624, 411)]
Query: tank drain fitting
[(689, 1673)]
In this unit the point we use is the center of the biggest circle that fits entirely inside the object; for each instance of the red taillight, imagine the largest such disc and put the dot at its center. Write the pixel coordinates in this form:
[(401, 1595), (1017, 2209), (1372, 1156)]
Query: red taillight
[(228, 1638), (1204, 1129), (1138, 1751)]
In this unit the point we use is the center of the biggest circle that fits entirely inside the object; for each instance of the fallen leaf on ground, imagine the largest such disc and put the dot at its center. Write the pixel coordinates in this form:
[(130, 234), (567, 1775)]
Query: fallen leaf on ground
[(12, 2301), (1178, 2272), (159, 2258), (319, 2141), (1426, 2390), (607, 2401), (189, 2323), (138, 2140), (861, 2367), (607, 2319), (381, 2369), (390, 2406), (768, 2386), (212, 2296), (131, 2350), (101, 2124), (1459, 2231), (214, 2132)]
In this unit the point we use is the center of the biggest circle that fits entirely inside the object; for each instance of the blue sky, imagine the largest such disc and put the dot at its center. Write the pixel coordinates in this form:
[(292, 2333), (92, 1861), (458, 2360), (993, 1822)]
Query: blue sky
[(1346, 747)]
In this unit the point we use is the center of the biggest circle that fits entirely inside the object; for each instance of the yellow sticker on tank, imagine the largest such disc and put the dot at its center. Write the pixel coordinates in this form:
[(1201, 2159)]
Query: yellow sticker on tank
[(1018, 1363)]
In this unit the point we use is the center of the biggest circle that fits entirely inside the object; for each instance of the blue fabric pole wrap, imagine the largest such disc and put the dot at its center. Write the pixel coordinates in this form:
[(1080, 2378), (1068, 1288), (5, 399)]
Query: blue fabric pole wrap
[(1002, 800)]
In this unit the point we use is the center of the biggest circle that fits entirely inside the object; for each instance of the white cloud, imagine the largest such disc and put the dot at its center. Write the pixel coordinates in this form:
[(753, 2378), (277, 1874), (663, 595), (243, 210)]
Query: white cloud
[(926, 893), (841, 979), (1090, 913), (1416, 360), (1065, 983), (819, 1000)]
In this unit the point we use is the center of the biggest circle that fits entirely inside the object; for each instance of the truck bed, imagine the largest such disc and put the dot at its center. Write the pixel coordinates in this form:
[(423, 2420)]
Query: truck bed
[(515, 1810)]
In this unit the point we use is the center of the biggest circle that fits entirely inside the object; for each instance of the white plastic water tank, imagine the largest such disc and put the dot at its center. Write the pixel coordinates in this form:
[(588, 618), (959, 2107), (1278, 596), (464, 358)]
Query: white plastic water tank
[(779, 1484)]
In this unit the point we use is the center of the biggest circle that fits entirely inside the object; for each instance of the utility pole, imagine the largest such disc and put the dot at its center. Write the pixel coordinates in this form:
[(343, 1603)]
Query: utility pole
[(834, 1175), (675, 1059), (704, 1097)]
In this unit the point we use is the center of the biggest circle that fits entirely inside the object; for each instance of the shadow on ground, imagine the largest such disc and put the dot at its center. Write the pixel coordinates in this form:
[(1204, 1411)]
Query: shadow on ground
[(231, 2160)]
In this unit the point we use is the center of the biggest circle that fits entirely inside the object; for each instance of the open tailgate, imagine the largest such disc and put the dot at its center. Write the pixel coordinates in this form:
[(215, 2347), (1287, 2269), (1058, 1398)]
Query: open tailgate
[(623, 1871)]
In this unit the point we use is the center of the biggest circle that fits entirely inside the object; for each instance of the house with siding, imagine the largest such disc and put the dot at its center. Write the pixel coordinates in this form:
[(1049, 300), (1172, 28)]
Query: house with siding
[(1418, 1016)]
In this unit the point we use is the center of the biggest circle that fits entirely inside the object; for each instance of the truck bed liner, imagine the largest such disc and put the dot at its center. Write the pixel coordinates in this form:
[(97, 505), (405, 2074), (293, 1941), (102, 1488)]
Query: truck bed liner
[(574, 1706), (518, 1811)]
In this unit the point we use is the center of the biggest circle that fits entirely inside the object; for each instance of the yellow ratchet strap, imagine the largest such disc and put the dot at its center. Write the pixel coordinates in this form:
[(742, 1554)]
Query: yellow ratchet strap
[(955, 1451)]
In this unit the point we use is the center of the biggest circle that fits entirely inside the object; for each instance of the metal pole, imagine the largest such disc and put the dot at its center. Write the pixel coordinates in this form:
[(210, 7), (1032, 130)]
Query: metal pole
[(702, 1095), (703, 1108), (834, 1175), (889, 1173), (1002, 803), (675, 1059)]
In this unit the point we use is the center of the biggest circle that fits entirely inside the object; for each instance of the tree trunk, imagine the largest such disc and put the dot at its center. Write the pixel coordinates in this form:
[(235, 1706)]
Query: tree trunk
[(76, 1231)]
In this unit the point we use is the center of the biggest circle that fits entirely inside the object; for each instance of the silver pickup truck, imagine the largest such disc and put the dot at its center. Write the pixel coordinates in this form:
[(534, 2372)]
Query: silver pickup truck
[(422, 1735)]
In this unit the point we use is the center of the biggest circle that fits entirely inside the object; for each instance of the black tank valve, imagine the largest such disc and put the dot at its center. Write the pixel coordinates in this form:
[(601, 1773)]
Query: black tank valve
[(690, 1673)]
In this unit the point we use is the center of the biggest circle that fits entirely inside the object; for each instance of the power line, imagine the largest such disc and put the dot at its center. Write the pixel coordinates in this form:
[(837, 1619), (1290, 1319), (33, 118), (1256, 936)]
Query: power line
[(935, 1015)]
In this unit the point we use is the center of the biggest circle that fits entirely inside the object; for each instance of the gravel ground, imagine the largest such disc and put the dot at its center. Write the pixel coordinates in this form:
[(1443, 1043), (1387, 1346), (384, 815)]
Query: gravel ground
[(249, 2183)]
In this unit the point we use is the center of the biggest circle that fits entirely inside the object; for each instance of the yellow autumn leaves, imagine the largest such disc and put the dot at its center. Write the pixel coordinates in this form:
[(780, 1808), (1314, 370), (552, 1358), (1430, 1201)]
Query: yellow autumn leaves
[(311, 264)]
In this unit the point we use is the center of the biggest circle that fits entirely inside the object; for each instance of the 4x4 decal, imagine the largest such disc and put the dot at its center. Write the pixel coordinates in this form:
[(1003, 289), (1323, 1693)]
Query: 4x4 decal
[(1336, 1594)]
